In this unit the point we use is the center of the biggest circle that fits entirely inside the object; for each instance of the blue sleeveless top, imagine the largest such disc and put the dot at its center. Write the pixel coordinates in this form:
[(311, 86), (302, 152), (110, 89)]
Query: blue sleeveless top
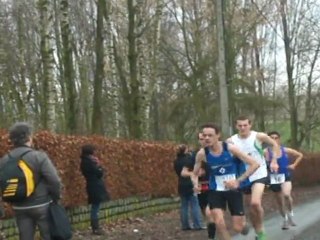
[(283, 161), (222, 167)]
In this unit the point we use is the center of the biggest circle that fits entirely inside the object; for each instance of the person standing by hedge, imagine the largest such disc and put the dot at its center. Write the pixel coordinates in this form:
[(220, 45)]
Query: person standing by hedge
[(97, 193), (183, 167), (32, 212)]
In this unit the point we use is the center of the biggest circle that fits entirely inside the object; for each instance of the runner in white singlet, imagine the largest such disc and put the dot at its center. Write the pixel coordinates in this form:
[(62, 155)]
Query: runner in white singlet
[(251, 142)]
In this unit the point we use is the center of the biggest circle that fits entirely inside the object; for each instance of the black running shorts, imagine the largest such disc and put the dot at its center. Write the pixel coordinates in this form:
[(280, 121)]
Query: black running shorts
[(203, 199), (277, 187), (222, 199), (247, 190)]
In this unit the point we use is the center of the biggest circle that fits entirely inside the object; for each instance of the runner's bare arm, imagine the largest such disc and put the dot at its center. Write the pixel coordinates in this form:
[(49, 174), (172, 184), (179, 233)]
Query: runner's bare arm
[(264, 138), (297, 155), (200, 157)]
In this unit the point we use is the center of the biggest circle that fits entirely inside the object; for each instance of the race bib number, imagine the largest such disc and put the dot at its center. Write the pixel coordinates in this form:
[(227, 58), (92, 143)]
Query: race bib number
[(277, 178), (221, 179)]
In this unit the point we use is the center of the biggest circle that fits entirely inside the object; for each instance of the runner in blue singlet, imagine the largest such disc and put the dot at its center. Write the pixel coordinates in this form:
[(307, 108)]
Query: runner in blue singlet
[(224, 180), (203, 181), (280, 182)]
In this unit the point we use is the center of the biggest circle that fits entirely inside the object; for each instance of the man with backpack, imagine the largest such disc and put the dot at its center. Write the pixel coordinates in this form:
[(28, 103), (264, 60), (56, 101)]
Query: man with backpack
[(35, 186)]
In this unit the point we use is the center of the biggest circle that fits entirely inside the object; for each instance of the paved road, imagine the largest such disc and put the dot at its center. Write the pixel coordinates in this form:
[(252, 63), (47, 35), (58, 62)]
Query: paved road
[(307, 217), (311, 233)]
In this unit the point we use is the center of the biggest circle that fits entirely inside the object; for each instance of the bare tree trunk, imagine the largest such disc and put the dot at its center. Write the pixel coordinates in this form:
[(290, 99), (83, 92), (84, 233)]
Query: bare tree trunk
[(291, 85), (22, 94), (97, 124), (68, 73), (61, 111), (308, 107), (46, 51), (112, 72), (142, 66), (223, 88), (274, 83), (260, 109), (135, 123), (154, 119), (84, 114), (123, 84), (2, 73)]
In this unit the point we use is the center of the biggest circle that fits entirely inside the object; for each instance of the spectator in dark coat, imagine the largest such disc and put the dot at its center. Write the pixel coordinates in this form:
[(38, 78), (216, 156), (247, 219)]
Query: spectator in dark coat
[(96, 190), (183, 167)]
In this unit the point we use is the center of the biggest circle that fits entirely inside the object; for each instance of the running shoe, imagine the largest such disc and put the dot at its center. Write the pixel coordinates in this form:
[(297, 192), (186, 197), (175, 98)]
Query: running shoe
[(291, 222), (186, 229), (285, 225), (261, 236), (246, 229)]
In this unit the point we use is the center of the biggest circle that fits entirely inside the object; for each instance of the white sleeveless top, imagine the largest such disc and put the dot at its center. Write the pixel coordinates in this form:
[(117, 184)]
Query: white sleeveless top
[(252, 146)]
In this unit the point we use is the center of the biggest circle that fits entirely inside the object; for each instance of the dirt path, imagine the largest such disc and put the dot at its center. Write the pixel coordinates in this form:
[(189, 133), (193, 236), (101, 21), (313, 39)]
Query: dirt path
[(167, 226)]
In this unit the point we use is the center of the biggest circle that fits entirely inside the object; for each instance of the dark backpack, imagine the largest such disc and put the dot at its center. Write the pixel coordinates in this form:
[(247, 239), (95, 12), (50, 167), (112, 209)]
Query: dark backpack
[(17, 181), (60, 226)]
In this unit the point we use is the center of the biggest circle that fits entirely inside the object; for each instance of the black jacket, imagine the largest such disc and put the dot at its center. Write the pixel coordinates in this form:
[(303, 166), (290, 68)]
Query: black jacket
[(185, 186), (93, 174)]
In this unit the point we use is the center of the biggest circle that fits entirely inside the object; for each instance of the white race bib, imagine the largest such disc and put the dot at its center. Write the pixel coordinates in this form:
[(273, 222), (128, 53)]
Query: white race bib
[(277, 178), (221, 179)]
